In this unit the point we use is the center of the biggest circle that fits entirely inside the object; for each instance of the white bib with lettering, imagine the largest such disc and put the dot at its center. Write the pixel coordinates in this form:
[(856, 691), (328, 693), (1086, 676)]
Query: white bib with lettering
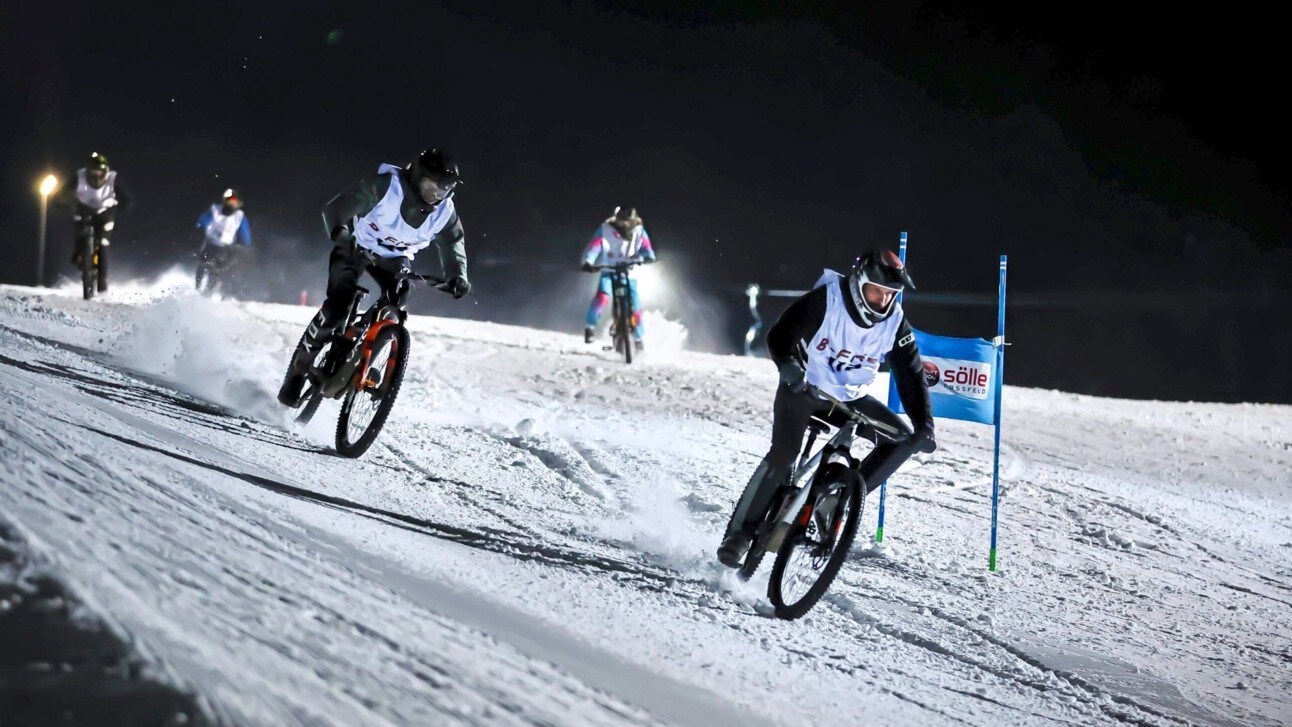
[(223, 228), (384, 231), (842, 358)]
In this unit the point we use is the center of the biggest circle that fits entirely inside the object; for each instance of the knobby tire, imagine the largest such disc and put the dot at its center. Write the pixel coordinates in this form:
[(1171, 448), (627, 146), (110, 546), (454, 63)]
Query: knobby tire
[(794, 540), (390, 383), (87, 267)]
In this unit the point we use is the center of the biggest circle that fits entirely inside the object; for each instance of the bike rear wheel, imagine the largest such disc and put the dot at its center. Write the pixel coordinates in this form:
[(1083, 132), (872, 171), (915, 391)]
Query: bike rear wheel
[(312, 390), (364, 411), (813, 551), (756, 552), (312, 393)]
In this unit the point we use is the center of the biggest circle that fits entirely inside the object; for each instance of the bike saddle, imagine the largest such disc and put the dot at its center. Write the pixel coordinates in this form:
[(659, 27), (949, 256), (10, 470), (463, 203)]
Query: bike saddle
[(820, 424)]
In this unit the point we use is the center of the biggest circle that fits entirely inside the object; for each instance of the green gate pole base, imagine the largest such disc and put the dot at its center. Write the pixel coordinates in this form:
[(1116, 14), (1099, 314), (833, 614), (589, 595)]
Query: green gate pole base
[(879, 535), (991, 561)]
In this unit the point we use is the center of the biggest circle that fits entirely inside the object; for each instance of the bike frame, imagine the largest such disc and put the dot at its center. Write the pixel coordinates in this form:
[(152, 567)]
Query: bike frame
[(839, 444), (621, 295), (362, 330), (384, 320)]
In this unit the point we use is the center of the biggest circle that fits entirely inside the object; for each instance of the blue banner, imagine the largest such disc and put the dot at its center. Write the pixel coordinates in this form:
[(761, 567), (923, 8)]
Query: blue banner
[(960, 374)]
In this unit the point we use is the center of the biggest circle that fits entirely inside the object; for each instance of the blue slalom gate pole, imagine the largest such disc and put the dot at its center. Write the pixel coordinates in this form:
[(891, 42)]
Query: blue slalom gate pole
[(1000, 387), (892, 388)]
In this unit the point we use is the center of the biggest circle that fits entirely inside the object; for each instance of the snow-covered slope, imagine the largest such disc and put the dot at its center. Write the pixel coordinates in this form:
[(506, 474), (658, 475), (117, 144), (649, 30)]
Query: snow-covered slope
[(530, 540)]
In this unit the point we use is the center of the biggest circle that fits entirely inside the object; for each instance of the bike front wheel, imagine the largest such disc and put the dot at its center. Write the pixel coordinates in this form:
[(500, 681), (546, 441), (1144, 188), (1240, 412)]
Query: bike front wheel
[(369, 401), (818, 543), (88, 272), (623, 328)]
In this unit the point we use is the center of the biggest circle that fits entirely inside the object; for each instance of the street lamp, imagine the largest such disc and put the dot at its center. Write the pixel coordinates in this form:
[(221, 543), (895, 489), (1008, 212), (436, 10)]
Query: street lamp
[(47, 187)]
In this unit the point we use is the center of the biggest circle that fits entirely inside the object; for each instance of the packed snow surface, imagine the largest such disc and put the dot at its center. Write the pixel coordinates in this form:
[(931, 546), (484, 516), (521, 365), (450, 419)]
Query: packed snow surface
[(530, 540)]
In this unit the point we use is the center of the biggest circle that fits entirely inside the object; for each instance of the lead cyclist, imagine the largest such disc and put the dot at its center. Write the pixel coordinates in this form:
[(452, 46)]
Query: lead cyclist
[(378, 226)]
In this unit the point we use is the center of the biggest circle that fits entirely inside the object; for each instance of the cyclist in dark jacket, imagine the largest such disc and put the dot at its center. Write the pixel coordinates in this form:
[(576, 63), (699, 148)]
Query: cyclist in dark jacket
[(94, 200), (834, 338), (378, 226)]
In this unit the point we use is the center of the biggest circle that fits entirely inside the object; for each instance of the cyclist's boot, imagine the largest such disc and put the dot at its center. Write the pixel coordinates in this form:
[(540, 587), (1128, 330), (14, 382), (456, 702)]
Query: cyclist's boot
[(733, 549), (589, 334)]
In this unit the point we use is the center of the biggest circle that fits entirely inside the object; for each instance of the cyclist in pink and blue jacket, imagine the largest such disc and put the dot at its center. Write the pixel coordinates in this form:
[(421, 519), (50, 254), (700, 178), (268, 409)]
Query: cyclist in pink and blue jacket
[(621, 239)]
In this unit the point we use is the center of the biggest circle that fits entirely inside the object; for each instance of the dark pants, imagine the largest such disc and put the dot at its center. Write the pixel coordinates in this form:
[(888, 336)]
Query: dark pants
[(220, 257), (790, 415), (346, 265)]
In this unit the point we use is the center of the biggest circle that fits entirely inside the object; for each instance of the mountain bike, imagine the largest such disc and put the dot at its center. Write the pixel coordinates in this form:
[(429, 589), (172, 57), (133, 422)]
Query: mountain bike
[(811, 521), (621, 326), (363, 365), (214, 264)]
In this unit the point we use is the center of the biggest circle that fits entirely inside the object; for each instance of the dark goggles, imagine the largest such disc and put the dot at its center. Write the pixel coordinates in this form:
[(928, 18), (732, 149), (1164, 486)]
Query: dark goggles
[(432, 189)]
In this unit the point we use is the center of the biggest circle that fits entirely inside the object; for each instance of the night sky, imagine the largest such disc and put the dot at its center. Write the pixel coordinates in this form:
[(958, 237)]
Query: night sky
[(1129, 167)]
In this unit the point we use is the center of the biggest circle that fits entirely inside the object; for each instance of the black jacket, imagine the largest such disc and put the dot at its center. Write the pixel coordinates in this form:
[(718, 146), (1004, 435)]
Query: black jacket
[(788, 338), (341, 211)]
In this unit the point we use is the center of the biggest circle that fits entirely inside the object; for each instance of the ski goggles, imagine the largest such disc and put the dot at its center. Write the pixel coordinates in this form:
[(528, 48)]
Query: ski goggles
[(877, 297), (433, 190)]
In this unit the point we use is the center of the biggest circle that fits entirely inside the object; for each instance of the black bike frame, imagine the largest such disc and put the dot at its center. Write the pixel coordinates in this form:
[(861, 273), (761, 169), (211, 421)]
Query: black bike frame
[(839, 445)]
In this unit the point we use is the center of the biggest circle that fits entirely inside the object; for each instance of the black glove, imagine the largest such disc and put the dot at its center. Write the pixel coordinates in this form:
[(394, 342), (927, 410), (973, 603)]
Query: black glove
[(793, 376), (587, 268), (455, 286), (922, 440)]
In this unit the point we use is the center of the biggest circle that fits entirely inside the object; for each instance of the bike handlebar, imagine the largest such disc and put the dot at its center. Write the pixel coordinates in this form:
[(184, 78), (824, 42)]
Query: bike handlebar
[(620, 266), (887, 430)]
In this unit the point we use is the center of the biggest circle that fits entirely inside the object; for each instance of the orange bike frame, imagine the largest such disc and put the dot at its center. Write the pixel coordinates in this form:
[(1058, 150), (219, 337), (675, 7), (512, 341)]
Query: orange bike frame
[(361, 372)]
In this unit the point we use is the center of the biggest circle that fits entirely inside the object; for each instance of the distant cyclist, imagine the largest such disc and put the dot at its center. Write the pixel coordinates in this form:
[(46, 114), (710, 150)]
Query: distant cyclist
[(834, 338), (621, 238), (224, 229), (94, 199)]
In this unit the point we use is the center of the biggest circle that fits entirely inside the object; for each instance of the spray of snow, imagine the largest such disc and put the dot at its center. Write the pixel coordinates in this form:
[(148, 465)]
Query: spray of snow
[(201, 345)]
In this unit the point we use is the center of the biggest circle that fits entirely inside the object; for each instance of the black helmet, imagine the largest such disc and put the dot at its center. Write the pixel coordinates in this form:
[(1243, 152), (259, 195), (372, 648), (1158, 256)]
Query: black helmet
[(96, 171), (231, 200), (434, 175), (624, 219), (882, 274)]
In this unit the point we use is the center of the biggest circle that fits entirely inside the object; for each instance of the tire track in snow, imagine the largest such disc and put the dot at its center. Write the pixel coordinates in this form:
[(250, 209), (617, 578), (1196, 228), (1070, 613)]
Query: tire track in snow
[(492, 541), (1155, 697), (488, 539)]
